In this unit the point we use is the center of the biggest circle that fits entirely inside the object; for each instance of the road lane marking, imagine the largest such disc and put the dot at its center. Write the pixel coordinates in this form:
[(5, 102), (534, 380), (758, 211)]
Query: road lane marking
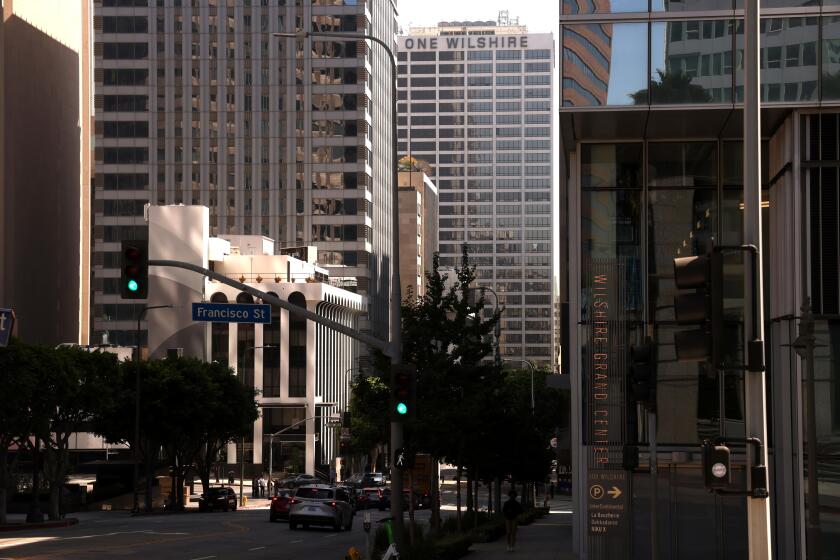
[(331, 535), (142, 532), (204, 558), (297, 541), (256, 548), (9, 543)]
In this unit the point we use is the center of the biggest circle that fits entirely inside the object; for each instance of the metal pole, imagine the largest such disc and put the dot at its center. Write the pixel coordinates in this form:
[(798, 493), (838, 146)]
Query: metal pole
[(242, 473), (805, 342), (271, 465), (396, 292), (758, 509)]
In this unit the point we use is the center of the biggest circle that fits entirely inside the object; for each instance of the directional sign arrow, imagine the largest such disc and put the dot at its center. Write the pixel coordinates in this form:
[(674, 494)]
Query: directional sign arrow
[(615, 492)]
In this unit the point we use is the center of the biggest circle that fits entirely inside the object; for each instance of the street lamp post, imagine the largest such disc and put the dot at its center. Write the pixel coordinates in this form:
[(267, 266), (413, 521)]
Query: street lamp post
[(136, 454), (395, 311)]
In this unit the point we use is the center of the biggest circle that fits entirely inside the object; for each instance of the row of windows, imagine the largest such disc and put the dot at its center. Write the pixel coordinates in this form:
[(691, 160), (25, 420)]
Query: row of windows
[(126, 155), (473, 145), (500, 107), (500, 261), (489, 210), (503, 93), (123, 207), (475, 81), (505, 54), (476, 68), (501, 157), (125, 24), (500, 196), (126, 129), (125, 51)]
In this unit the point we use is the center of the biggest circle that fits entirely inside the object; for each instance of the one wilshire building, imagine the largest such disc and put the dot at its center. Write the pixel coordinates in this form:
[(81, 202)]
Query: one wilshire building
[(197, 103), (475, 103)]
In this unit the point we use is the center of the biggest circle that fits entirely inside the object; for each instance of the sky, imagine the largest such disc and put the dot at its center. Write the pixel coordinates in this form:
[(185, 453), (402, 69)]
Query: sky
[(541, 16)]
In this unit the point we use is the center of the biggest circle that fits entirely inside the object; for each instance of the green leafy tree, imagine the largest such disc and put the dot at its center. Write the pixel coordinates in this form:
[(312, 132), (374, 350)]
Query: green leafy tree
[(17, 387), (671, 87), (72, 391)]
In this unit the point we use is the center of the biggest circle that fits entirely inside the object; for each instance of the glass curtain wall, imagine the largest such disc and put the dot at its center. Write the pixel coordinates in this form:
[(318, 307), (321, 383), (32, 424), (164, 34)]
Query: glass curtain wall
[(642, 205)]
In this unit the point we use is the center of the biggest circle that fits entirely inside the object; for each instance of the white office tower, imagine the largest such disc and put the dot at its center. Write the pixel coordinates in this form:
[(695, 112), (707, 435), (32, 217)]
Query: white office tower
[(475, 103)]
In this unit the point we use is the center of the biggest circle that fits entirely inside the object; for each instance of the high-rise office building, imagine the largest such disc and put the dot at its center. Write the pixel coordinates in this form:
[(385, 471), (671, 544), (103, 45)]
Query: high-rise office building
[(651, 123), (475, 103), (45, 168), (199, 104)]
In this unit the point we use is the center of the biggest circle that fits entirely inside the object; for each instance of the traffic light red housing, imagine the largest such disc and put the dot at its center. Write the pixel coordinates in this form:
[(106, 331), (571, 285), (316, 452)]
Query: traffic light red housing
[(403, 392), (134, 270)]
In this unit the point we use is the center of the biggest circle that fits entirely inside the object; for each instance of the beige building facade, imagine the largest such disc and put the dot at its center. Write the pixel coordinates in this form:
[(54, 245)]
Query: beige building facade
[(45, 167), (418, 230)]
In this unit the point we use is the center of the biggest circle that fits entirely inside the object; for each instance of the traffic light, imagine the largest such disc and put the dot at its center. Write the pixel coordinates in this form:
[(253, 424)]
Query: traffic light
[(643, 374), (403, 392), (134, 270), (702, 308)]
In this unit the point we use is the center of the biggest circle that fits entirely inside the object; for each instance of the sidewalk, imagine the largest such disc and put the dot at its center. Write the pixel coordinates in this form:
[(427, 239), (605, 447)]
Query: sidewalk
[(549, 538)]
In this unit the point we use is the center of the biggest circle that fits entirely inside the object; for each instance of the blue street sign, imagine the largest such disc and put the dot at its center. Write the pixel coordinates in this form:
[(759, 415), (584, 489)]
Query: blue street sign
[(231, 312), (7, 324)]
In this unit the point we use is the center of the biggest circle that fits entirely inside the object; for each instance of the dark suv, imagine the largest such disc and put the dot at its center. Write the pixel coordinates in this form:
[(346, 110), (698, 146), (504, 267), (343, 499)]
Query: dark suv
[(222, 498)]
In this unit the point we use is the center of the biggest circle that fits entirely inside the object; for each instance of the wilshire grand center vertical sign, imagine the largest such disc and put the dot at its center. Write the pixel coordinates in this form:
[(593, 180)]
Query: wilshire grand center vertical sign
[(605, 375)]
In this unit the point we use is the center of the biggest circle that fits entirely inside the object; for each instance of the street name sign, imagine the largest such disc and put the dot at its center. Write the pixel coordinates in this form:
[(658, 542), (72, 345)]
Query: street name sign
[(7, 324), (231, 312)]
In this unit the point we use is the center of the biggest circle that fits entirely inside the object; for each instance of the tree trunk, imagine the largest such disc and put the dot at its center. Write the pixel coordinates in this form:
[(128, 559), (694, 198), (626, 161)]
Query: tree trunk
[(434, 492), (150, 477), (497, 505), (458, 496), (470, 481), (411, 506)]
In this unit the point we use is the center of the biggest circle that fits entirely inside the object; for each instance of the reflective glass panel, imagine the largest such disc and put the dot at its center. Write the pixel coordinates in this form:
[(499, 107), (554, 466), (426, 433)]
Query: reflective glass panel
[(788, 59), (831, 58), (691, 62), (604, 6), (689, 5), (601, 64), (682, 164), (611, 165), (610, 231)]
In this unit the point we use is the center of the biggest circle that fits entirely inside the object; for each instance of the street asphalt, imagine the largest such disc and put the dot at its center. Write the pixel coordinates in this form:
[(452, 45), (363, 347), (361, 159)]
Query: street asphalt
[(243, 534)]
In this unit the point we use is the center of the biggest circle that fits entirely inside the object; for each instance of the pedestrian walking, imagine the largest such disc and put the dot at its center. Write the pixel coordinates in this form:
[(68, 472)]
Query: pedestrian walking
[(511, 510), (262, 487)]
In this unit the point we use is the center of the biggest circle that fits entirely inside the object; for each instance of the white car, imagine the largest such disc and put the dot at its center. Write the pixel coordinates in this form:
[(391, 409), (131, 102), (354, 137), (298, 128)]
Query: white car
[(319, 504)]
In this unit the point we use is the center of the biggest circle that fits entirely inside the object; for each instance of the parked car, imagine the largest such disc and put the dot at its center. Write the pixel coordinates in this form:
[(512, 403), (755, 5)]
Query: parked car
[(220, 497), (370, 498), (373, 479), (353, 494), (319, 504), (280, 504)]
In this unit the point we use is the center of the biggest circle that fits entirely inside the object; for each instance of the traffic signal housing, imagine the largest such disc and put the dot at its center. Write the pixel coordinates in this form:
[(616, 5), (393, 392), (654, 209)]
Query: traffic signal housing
[(643, 374), (702, 307), (403, 392), (134, 270)]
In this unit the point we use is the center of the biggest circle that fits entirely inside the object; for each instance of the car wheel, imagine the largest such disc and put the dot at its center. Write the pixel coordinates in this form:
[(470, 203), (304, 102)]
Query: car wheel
[(225, 508), (234, 507), (305, 526), (293, 526), (349, 526), (337, 526), (272, 518)]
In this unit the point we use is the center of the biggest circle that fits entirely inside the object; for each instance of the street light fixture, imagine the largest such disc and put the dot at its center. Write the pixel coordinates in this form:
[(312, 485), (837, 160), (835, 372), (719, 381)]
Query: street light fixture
[(396, 291), (531, 367), (136, 478)]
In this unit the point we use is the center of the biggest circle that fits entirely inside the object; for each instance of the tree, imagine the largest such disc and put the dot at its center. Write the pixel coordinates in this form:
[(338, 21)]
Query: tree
[(408, 163), (78, 386), (672, 87), (232, 412), (17, 361)]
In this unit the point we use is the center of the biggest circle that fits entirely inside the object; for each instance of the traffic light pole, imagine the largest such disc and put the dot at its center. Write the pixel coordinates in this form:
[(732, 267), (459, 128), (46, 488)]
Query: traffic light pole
[(758, 509)]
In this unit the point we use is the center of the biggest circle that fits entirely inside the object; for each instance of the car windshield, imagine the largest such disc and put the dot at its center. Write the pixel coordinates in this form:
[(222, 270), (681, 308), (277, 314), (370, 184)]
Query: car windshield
[(216, 491), (314, 493)]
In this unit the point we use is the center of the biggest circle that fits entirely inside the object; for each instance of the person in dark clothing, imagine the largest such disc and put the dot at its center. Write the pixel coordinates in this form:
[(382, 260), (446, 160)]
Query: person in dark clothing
[(511, 510)]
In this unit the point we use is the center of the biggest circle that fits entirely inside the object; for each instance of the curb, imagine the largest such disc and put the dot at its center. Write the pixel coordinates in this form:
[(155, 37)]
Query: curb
[(45, 525)]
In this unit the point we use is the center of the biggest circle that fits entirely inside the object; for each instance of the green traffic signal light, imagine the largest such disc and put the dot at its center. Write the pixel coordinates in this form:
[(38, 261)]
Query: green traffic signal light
[(401, 408), (132, 286)]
